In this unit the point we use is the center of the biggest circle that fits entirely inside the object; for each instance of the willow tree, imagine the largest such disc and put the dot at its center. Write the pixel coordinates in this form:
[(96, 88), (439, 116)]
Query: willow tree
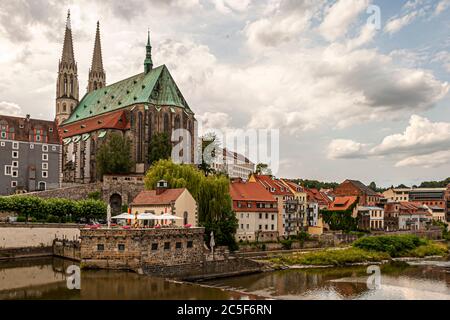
[(211, 193)]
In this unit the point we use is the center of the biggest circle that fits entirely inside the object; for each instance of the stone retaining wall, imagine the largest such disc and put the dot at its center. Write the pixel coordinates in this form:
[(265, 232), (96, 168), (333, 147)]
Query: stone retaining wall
[(79, 192), (130, 249)]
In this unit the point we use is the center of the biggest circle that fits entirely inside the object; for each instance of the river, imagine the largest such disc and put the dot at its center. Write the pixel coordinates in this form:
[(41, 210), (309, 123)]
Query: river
[(44, 278)]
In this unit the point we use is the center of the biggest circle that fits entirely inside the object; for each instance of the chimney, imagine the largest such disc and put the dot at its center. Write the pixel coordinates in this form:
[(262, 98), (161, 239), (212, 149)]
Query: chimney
[(28, 117), (161, 186)]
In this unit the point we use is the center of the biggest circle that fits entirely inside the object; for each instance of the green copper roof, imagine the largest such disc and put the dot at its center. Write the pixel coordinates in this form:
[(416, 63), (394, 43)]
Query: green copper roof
[(155, 87)]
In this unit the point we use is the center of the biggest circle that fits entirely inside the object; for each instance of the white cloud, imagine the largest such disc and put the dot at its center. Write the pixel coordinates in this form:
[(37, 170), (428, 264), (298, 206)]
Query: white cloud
[(442, 6), (228, 6), (420, 137), (342, 148), (444, 58), (423, 143), (433, 160), (397, 23), (340, 16), (10, 109)]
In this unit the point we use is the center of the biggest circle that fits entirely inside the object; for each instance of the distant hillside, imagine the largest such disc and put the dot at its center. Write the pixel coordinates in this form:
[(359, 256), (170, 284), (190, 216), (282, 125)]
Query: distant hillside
[(314, 184)]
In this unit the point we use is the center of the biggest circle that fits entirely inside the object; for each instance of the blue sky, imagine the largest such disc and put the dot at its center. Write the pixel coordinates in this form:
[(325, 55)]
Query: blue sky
[(350, 101)]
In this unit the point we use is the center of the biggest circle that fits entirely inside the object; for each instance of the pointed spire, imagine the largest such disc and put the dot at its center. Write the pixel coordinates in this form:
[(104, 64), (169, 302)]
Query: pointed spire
[(67, 53), (97, 61), (97, 77), (148, 63)]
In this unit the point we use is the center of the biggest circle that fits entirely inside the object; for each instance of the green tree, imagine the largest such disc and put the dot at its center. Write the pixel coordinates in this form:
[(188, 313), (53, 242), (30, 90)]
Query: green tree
[(160, 147), (211, 193), (263, 168), (114, 156), (373, 186)]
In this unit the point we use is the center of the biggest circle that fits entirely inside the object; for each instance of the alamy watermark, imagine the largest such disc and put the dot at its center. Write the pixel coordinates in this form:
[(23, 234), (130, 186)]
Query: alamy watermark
[(73, 279), (374, 280)]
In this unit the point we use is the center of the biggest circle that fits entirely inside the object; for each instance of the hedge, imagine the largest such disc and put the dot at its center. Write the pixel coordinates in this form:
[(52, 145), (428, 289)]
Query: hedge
[(53, 210)]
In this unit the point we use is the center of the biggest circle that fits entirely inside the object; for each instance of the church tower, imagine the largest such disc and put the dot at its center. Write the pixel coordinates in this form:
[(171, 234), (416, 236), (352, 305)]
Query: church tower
[(67, 85), (97, 77)]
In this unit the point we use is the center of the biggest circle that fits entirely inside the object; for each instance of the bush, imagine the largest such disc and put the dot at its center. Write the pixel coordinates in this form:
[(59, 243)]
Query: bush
[(53, 210), (286, 244), (332, 257), (431, 249), (21, 219), (394, 245), (96, 195)]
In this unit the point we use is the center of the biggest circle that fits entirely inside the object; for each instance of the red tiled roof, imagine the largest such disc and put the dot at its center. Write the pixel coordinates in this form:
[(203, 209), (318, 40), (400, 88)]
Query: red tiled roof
[(111, 120), (320, 197), (250, 191), (273, 185), (293, 185), (24, 129), (149, 197), (342, 203)]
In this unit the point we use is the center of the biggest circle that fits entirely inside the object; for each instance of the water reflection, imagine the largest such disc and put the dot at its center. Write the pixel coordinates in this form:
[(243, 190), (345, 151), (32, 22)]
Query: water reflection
[(45, 279)]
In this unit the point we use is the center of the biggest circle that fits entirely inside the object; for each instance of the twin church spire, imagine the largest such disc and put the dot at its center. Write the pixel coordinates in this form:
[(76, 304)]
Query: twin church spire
[(67, 87)]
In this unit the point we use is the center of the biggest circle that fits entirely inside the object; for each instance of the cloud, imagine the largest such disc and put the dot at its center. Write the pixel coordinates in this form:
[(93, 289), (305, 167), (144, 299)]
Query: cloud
[(397, 23), (10, 109), (283, 23), (228, 6), (442, 6), (443, 57), (433, 160), (423, 143), (340, 16), (345, 149), (420, 137)]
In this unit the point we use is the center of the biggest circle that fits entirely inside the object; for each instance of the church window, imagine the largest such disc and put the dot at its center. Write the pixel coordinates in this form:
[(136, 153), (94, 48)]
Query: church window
[(71, 86), (95, 85), (140, 127), (65, 84), (166, 123), (64, 107), (150, 120), (177, 122)]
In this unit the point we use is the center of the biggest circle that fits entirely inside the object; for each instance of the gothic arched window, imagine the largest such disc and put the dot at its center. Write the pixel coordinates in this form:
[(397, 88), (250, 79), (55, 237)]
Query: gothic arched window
[(95, 85), (71, 86), (150, 125), (166, 123), (64, 107), (140, 127), (65, 84), (177, 122)]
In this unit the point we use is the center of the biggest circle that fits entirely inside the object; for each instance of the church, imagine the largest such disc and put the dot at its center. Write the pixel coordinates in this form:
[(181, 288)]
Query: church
[(137, 107)]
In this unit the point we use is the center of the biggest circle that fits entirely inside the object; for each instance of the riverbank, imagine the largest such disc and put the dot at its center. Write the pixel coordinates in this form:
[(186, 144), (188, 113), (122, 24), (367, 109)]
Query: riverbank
[(373, 250)]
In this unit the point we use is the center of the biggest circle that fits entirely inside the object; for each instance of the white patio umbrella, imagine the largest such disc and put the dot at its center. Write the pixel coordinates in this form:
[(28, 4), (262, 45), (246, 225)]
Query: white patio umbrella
[(147, 216), (125, 215), (108, 215), (167, 216)]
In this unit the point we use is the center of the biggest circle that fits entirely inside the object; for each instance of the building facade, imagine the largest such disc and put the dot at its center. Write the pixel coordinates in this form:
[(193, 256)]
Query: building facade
[(370, 218), (137, 108), (256, 210), (366, 196), (30, 155), (178, 202), (233, 164)]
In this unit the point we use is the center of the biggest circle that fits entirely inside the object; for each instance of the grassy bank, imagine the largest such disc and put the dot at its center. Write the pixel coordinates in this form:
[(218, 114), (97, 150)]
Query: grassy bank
[(366, 250)]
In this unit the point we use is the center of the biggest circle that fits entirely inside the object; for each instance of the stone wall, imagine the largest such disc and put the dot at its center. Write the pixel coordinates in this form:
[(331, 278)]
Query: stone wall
[(130, 249), (68, 249), (79, 192), (126, 186), (21, 235), (205, 270)]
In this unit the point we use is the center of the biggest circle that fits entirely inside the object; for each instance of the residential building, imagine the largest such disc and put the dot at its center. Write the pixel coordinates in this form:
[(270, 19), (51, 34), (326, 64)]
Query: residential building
[(396, 194), (256, 210), (30, 154), (178, 202), (367, 196), (289, 214), (391, 216), (344, 203), (437, 213), (233, 164), (137, 108), (409, 215), (319, 197), (370, 218), (314, 218)]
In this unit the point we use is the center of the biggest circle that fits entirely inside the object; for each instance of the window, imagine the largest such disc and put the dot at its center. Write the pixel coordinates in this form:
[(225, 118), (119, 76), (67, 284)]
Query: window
[(266, 227), (166, 245), (178, 245), (249, 205), (2, 144), (44, 148), (15, 164), (154, 246), (100, 247), (190, 244), (13, 184), (260, 227), (272, 227), (15, 173), (267, 216), (31, 145), (15, 154), (44, 166), (53, 148), (242, 226), (15, 145), (185, 218), (248, 226), (44, 157), (42, 186), (260, 215), (50, 129), (8, 170), (44, 174), (273, 217), (121, 247)]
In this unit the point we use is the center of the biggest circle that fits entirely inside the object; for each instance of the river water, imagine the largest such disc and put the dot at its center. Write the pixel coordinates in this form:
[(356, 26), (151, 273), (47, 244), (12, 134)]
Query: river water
[(45, 279)]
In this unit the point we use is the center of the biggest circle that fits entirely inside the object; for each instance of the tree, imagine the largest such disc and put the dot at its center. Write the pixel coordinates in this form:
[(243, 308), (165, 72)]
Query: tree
[(160, 147), (263, 168), (114, 156), (373, 186), (211, 193)]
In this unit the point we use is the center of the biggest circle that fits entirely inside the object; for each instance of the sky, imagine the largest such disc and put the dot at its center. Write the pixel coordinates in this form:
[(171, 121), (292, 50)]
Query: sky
[(358, 89)]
